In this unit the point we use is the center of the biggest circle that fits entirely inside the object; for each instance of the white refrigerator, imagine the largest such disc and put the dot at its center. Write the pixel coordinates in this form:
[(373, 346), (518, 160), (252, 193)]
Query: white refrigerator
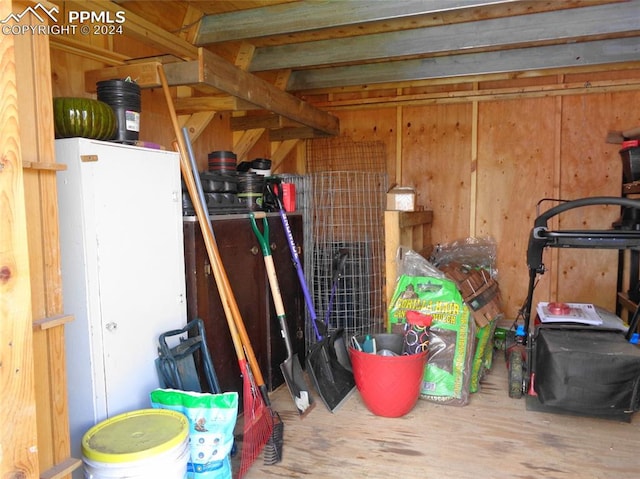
[(123, 277)]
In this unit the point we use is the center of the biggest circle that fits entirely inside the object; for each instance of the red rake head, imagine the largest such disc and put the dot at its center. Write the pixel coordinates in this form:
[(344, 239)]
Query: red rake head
[(258, 421)]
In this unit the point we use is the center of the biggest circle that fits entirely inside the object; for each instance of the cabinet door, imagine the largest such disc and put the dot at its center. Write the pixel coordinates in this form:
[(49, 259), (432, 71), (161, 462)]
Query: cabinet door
[(244, 265), (139, 273), (122, 271), (203, 300)]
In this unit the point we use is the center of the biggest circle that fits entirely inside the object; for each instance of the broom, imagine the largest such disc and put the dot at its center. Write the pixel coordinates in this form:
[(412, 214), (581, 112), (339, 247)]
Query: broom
[(259, 427)]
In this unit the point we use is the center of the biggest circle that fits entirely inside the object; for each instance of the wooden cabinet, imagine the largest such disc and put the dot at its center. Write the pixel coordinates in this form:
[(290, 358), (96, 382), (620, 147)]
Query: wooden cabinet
[(244, 265), (122, 274)]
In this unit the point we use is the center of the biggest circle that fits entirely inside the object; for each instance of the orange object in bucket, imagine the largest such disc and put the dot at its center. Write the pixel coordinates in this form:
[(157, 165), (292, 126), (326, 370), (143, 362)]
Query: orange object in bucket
[(389, 385)]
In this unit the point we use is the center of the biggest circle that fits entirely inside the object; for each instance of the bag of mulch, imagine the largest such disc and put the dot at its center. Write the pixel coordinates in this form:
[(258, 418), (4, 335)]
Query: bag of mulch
[(212, 419), (451, 334), (483, 355)]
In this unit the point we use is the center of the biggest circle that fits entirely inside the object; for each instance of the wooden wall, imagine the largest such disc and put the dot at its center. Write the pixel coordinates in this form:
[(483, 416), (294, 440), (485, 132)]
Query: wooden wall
[(482, 167)]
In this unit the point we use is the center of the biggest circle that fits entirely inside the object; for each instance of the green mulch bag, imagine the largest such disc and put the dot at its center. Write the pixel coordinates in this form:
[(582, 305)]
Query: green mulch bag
[(212, 419), (451, 338), (483, 355)]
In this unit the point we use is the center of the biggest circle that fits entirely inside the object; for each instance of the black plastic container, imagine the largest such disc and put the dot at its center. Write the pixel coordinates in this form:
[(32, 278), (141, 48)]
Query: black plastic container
[(222, 161), (213, 182), (251, 190), (124, 99), (261, 166)]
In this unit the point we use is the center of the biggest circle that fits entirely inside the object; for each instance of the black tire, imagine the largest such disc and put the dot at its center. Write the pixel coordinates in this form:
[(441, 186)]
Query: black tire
[(516, 374)]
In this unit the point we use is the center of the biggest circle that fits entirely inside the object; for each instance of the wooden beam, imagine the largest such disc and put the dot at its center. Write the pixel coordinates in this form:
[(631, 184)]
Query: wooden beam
[(197, 122), (190, 23), (244, 57), (19, 457), (144, 74), (260, 121), (52, 322), (414, 218), (559, 26), (70, 45), (246, 142), (295, 133), (211, 103), (306, 16), (59, 471), (281, 152), (38, 165), (515, 60), (218, 73), (490, 94)]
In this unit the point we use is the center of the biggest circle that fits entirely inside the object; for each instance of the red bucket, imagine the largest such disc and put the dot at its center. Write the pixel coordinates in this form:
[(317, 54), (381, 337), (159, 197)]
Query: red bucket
[(389, 385)]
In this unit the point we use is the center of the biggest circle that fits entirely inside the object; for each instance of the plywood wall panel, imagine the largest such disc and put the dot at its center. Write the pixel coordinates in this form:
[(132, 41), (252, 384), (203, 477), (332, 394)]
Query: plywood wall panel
[(515, 170), (592, 167), (602, 75), (372, 125), (518, 82), (436, 160), (67, 74)]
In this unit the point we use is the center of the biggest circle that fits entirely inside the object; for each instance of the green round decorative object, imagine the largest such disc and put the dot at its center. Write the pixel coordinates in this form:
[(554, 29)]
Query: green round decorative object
[(83, 117)]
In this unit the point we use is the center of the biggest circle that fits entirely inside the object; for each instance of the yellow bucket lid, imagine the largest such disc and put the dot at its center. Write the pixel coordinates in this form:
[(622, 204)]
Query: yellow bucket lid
[(135, 435)]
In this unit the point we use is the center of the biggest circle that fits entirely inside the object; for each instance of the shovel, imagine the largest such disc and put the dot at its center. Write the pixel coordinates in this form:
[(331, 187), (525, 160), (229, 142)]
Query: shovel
[(327, 365), (291, 368), (328, 361), (339, 344)]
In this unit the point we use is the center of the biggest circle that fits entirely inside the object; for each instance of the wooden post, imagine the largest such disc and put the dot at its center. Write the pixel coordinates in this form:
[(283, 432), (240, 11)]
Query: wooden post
[(19, 458)]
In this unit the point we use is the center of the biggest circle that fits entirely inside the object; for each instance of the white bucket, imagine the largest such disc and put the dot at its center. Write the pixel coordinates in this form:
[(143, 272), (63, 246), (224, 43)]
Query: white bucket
[(144, 444)]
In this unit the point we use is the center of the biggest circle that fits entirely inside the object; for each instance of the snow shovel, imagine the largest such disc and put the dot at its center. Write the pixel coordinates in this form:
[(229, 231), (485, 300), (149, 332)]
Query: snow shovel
[(291, 368), (333, 381), (339, 343), (328, 361)]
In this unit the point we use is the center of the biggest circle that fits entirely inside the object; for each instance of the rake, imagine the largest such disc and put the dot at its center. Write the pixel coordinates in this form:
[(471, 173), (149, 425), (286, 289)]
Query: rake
[(262, 426)]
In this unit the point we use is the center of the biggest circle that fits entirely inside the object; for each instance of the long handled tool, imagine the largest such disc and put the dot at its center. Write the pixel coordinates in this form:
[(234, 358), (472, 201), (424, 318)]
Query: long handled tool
[(259, 418), (254, 440), (333, 380), (339, 344), (291, 367)]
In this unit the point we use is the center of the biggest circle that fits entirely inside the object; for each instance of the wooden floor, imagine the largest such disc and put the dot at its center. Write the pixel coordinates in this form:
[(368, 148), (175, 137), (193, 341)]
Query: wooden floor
[(490, 438)]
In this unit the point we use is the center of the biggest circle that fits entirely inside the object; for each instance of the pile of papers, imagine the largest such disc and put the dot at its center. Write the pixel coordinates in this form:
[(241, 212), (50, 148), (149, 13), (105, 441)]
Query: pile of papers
[(580, 313)]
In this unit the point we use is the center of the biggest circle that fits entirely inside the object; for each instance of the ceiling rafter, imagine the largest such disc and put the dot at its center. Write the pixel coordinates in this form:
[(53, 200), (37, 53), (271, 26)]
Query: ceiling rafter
[(516, 60), (306, 16), (561, 26), (212, 70)]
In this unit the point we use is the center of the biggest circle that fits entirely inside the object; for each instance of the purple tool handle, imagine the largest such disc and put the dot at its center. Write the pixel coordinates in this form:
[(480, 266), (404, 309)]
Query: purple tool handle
[(296, 262)]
